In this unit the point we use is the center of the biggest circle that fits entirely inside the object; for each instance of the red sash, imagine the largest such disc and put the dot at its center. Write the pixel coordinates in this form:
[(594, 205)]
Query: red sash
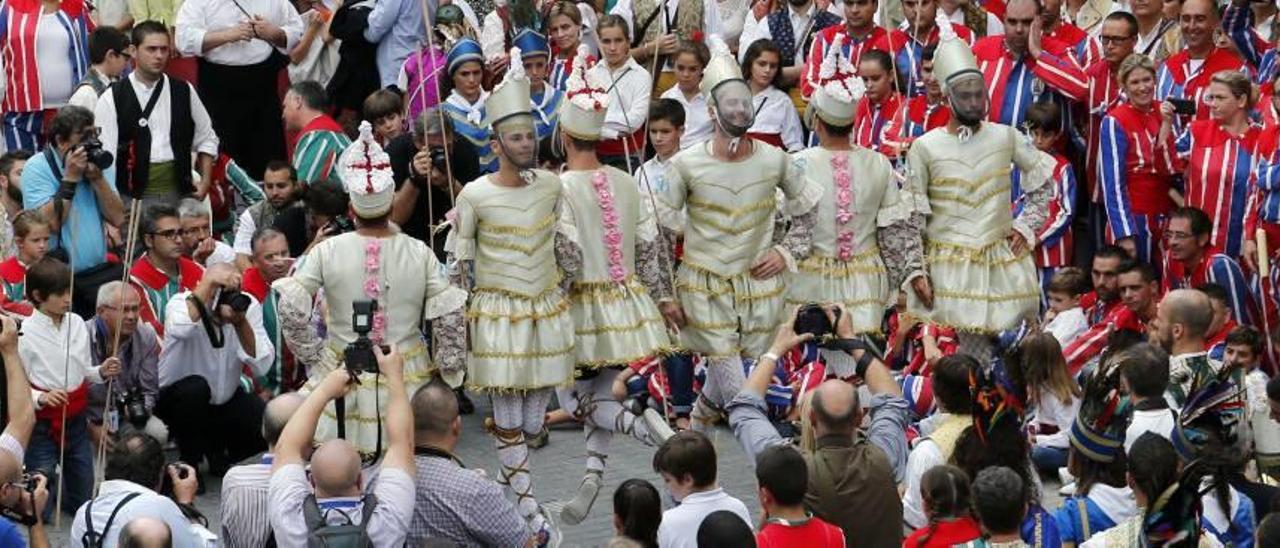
[(774, 139), (615, 147), (76, 401)]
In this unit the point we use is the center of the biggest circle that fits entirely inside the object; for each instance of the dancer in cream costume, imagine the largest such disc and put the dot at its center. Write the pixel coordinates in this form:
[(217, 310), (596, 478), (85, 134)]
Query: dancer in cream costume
[(729, 285), (617, 268), (521, 332), (379, 263), (981, 278), (860, 205)]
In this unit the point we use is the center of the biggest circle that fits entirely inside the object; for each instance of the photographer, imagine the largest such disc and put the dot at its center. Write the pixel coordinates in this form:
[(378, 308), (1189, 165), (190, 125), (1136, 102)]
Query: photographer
[(422, 188), (138, 385), (133, 482), (21, 497), (852, 476), (67, 185), (324, 215), (332, 489), (211, 333)]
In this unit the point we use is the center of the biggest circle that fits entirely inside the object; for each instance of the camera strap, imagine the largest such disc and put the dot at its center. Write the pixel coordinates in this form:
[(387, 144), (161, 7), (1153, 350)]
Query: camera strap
[(216, 337)]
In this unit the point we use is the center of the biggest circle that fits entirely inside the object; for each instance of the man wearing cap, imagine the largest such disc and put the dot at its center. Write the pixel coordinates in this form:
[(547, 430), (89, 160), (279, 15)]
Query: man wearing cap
[(546, 98), (465, 105), (377, 263), (976, 253), (502, 247), (731, 291), (609, 234), (846, 265)]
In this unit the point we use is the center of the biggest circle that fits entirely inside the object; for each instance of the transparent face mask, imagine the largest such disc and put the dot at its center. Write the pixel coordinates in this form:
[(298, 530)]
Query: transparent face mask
[(733, 107), (968, 97)]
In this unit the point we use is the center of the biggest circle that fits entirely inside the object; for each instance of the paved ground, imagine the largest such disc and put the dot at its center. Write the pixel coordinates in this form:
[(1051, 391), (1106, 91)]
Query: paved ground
[(558, 469)]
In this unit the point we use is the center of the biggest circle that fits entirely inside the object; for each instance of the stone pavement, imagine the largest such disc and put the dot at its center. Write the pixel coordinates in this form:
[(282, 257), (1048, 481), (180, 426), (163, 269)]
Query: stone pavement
[(558, 469)]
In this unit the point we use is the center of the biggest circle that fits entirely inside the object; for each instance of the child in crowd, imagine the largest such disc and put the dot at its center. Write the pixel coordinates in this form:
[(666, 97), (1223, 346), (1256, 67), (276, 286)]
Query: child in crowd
[(914, 346), (690, 59), (55, 351), (783, 478), (1244, 347), (31, 237), (1053, 247), (1065, 318), (637, 510), (687, 463), (998, 503), (385, 110), (777, 121), (945, 489), (1055, 397)]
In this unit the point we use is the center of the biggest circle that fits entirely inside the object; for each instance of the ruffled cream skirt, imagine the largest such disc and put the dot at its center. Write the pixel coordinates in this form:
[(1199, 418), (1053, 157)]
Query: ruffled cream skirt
[(859, 283), (519, 343), (728, 316), (616, 324), (982, 289)]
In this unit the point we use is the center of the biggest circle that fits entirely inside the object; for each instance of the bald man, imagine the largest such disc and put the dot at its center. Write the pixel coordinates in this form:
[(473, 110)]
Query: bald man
[(453, 502), (207, 343), (145, 533), (853, 479), (1180, 327), (335, 467), (244, 488)]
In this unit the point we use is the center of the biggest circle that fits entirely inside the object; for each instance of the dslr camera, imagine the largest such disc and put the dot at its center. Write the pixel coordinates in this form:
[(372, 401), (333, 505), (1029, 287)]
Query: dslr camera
[(233, 298), (21, 516), (133, 407), (97, 156), (812, 319), (358, 356)]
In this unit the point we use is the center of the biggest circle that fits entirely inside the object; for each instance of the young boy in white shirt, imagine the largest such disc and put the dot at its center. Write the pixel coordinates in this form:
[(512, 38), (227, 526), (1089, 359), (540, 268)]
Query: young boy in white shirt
[(687, 463), (1065, 319)]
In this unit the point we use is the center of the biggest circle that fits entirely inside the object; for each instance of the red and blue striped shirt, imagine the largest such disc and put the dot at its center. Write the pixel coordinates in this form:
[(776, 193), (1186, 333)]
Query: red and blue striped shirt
[(19, 23), (1217, 169)]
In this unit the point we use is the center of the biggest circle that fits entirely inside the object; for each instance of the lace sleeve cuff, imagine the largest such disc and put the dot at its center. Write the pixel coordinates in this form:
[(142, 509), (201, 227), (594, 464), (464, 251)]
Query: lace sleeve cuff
[(450, 333), (294, 310), (805, 200), (651, 268), (445, 302), (799, 239)]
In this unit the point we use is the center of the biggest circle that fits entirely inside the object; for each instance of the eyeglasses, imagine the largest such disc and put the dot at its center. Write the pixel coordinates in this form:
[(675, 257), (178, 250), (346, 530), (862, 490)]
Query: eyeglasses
[(1106, 40), (171, 234)]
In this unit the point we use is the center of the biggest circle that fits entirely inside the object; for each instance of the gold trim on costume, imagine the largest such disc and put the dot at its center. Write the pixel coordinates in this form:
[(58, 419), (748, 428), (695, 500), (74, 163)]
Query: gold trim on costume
[(936, 252), (981, 199), (970, 296), (862, 263), (768, 204), (509, 355), (617, 328), (542, 225), (516, 294), (683, 286), (503, 244), (968, 185), (558, 311)]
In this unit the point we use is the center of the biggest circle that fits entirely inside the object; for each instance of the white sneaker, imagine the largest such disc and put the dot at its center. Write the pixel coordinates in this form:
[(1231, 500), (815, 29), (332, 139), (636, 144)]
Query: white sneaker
[(1068, 489), (577, 509), (1065, 476)]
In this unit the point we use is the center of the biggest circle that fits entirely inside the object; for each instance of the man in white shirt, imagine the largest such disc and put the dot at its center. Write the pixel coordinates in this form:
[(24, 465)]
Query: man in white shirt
[(687, 462), (208, 338), (243, 506), (198, 243), (241, 46), (152, 122), (134, 467), (335, 468)]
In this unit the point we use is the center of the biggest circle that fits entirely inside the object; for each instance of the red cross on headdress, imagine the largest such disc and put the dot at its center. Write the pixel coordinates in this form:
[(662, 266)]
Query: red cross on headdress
[(369, 166)]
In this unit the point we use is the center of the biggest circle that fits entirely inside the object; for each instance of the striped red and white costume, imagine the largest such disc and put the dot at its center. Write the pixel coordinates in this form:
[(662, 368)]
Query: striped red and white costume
[(1100, 94), (1174, 78), (23, 103), (1237, 21), (1215, 268), (1104, 318), (906, 52), (1014, 83), (1055, 237), (1134, 177), (1217, 169), (871, 119), (910, 357), (916, 118), (1084, 49), (851, 49)]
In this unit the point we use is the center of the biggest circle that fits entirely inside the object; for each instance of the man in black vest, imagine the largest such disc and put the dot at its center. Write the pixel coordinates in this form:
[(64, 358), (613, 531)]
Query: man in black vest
[(154, 123)]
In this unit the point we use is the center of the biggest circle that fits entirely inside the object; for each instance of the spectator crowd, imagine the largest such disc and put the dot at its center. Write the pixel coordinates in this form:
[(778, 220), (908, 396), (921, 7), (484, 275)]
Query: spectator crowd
[(925, 259)]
